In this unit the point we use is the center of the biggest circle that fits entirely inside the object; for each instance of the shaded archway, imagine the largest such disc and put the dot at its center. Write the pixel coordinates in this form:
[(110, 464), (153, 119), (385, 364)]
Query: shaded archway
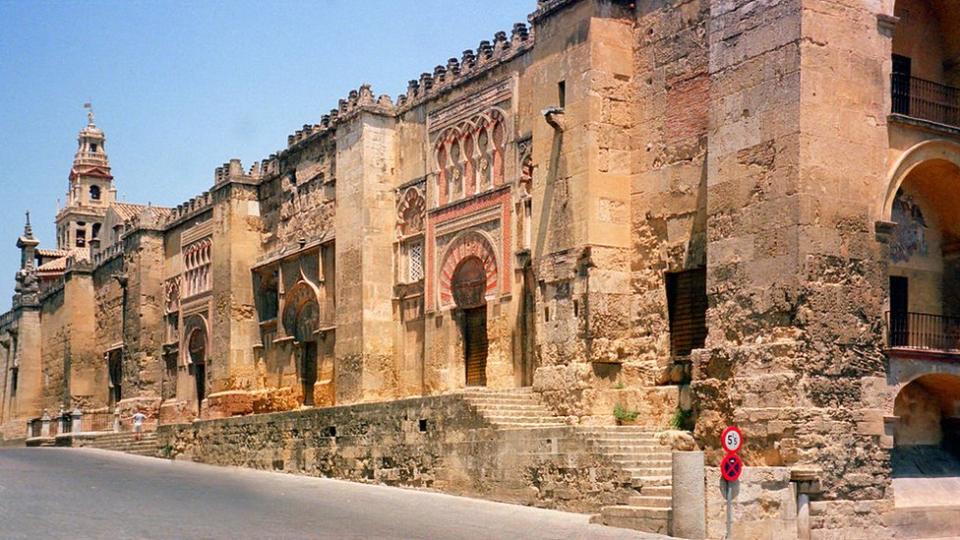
[(197, 352), (923, 204), (301, 320), (468, 285), (926, 453)]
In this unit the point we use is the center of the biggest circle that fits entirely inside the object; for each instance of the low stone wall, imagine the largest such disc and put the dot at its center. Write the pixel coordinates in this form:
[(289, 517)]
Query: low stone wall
[(764, 505), (437, 442)]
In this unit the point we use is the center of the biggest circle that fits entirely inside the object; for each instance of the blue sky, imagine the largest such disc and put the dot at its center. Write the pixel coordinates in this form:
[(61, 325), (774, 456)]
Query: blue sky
[(181, 87)]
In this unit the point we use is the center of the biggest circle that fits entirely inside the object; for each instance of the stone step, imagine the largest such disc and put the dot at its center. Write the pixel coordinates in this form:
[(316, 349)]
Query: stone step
[(514, 407), (640, 518), (657, 491), (503, 409), (485, 390), (620, 429), (650, 501), (643, 482), (650, 460), (503, 401), (519, 416), (516, 424), (638, 472), (628, 436), (617, 453)]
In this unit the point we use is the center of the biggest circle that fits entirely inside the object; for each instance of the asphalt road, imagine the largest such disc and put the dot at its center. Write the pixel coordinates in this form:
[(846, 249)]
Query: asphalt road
[(76, 493)]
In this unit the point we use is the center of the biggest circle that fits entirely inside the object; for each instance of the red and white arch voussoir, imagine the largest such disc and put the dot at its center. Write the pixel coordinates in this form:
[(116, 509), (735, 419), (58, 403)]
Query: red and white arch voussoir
[(468, 244)]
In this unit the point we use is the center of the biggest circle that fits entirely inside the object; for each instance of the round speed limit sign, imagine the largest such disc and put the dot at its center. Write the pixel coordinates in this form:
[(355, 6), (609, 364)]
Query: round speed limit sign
[(731, 439)]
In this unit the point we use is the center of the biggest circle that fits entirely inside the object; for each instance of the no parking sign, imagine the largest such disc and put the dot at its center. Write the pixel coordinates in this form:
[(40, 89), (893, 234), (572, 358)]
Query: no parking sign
[(731, 467)]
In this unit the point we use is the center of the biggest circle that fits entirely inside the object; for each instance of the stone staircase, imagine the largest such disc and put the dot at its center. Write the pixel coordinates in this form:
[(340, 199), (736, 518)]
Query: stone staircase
[(634, 449), (517, 408), (638, 452), (123, 442)]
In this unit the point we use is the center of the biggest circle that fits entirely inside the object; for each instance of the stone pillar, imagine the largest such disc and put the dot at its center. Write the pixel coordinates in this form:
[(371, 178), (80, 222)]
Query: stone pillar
[(77, 425), (116, 420), (45, 424), (803, 517), (365, 364), (234, 330), (86, 367), (688, 496), (143, 322)]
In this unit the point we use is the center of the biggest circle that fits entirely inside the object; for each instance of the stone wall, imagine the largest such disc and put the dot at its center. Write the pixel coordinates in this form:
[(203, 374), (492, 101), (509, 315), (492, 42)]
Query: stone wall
[(764, 505), (438, 443)]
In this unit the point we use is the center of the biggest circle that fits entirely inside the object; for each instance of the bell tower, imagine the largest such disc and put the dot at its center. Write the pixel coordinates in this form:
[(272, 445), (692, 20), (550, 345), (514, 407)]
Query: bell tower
[(90, 191)]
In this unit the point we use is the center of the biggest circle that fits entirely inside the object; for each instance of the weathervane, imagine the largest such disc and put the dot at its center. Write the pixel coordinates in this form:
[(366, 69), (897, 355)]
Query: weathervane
[(89, 107)]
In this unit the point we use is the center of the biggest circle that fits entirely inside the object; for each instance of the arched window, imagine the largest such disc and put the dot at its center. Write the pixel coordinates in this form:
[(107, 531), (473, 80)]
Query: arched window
[(94, 193), (470, 157)]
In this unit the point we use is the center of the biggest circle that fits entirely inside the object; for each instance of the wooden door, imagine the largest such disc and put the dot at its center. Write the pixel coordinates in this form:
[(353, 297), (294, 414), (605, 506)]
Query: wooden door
[(475, 345)]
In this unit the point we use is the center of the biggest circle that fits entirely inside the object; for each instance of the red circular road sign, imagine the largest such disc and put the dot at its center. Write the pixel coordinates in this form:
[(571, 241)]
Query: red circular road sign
[(731, 439), (731, 467)]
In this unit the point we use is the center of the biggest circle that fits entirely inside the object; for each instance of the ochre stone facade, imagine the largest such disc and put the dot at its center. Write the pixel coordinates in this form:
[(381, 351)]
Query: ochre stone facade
[(703, 212)]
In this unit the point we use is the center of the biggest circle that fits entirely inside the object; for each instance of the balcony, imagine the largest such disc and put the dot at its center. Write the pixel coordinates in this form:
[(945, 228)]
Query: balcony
[(924, 334), (925, 100)]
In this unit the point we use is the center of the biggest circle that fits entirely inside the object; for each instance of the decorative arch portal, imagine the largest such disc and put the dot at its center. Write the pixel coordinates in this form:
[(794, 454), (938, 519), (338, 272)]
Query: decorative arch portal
[(196, 348), (301, 319), (927, 151), (301, 311), (469, 245)]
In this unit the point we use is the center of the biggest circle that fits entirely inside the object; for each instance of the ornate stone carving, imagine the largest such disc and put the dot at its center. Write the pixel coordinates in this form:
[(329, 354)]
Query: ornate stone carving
[(470, 244)]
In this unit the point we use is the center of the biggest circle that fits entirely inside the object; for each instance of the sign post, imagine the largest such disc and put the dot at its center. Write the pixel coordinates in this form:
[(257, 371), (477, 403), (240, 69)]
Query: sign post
[(731, 467)]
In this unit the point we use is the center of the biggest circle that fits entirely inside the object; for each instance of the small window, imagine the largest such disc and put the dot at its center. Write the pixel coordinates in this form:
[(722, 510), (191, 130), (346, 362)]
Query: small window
[(415, 262), (81, 238), (562, 94), (93, 147), (94, 193), (14, 380), (96, 230)]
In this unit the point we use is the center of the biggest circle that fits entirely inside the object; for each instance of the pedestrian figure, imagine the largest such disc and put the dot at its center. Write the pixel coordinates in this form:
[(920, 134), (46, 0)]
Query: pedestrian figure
[(138, 418)]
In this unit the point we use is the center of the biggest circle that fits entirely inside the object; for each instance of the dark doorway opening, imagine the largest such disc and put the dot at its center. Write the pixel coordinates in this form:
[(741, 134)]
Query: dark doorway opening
[(308, 375), (475, 345), (528, 328), (687, 307), (900, 84), (899, 309), (115, 374), (469, 289), (197, 347)]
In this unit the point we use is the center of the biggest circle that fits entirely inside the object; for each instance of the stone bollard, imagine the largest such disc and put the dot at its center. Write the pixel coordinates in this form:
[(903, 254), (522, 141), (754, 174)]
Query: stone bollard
[(116, 420), (689, 518), (77, 425), (45, 424)]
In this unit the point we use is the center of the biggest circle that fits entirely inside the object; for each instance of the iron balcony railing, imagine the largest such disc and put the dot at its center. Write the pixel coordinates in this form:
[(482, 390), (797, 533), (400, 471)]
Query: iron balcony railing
[(923, 331), (927, 100)]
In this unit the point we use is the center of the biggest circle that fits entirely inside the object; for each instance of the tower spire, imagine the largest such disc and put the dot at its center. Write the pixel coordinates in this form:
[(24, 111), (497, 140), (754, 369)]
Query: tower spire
[(27, 229)]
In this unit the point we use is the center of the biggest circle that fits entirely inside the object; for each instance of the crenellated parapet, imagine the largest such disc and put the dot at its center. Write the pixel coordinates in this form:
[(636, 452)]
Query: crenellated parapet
[(200, 203), (357, 101), (456, 72), (233, 171), (107, 254)]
